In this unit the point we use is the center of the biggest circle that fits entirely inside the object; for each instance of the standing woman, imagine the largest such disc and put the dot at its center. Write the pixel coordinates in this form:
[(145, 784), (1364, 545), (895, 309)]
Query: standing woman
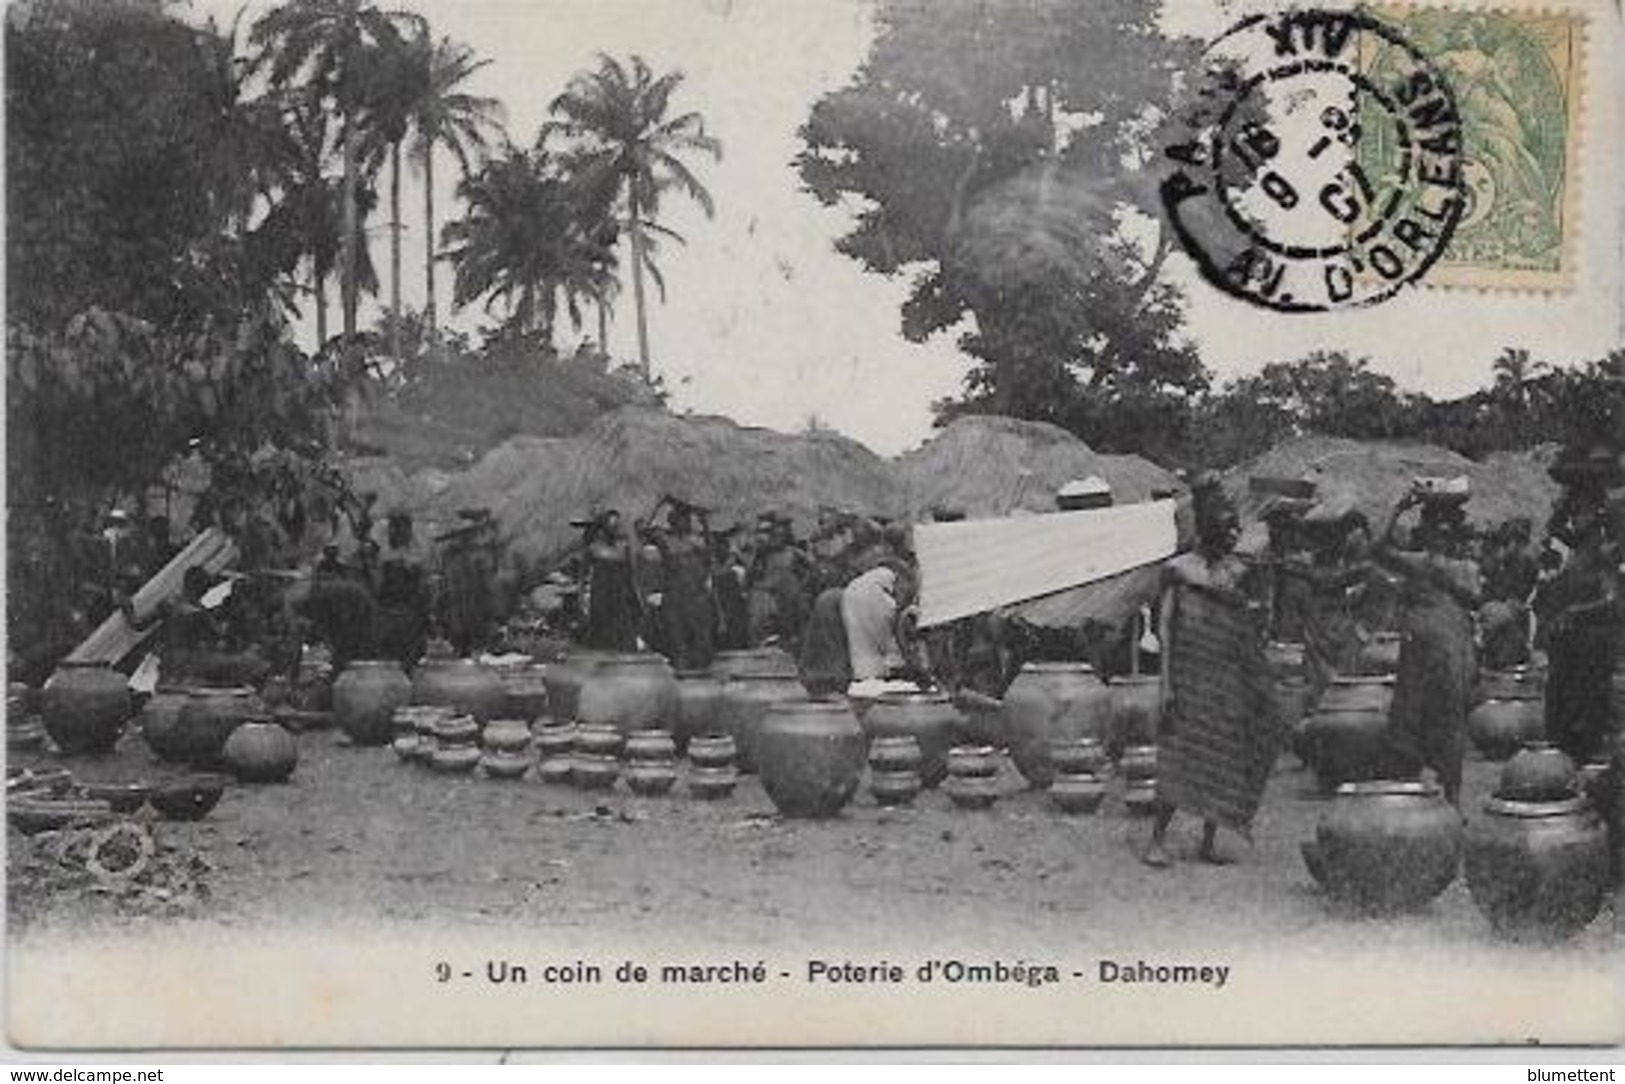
[(1578, 620), (613, 608), (1437, 666), (687, 606), (1219, 739)]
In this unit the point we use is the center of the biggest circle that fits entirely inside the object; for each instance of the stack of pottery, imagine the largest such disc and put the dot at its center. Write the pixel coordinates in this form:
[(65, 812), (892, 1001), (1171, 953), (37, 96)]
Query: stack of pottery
[(1511, 713), (651, 768), (712, 773), (1079, 783), (524, 691), (747, 697), (1050, 700), (85, 705), (930, 718), (506, 745), (555, 744), (456, 746), (207, 719), (564, 679), (260, 751), (466, 686), (413, 727), (699, 701), (595, 760), (972, 776), (365, 697), (894, 769), (1538, 865), (630, 693), (810, 754), (1384, 846), (1138, 767), (1345, 739)]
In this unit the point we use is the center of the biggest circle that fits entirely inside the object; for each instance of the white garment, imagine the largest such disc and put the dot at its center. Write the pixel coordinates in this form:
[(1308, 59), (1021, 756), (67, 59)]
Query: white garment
[(869, 612)]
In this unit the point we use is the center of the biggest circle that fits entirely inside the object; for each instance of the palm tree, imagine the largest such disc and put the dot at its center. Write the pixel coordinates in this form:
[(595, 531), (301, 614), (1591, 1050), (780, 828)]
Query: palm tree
[(623, 143), (325, 47), (523, 244), (441, 115)]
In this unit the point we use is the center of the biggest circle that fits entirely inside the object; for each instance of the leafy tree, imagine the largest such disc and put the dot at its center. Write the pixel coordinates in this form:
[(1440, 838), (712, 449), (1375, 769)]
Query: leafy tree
[(996, 153), (526, 243), (624, 144)]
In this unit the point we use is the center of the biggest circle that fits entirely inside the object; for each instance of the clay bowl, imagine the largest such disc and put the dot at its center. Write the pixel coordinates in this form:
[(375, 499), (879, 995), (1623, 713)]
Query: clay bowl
[(1140, 797), (711, 784), (650, 779), (971, 792), (505, 765), (31, 815), (189, 798), (555, 770), (454, 758), (595, 772), (122, 797)]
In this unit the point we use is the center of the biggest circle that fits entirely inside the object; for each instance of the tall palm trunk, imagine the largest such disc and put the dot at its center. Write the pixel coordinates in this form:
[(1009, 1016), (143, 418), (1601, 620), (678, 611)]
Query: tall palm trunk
[(603, 325), (395, 249), (347, 287), (637, 282), (428, 236)]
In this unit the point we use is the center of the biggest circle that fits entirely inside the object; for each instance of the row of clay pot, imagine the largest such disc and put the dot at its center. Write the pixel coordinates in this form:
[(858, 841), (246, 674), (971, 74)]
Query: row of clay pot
[(1537, 862)]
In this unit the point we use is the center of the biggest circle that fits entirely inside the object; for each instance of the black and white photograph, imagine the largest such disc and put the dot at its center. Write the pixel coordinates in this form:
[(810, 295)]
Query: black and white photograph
[(638, 525)]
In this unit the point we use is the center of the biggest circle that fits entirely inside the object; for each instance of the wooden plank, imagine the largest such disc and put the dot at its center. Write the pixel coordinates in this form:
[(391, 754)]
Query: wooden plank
[(114, 638)]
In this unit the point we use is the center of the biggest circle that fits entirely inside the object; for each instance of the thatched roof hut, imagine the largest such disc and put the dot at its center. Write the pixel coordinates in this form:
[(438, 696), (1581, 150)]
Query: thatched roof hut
[(988, 465)]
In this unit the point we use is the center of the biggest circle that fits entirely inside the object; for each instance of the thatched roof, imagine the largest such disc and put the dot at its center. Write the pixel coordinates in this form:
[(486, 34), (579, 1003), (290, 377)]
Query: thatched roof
[(988, 465), (1375, 474)]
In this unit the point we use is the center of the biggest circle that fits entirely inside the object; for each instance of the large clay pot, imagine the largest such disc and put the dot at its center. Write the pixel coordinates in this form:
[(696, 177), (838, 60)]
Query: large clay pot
[(85, 706), (463, 684), (365, 697), (1498, 728), (1386, 847), (209, 716), (630, 692), (1050, 700), (1538, 870), (758, 661), (1539, 772), (1345, 739), (1136, 711), (160, 721), (811, 755), (699, 700), (1380, 655), (745, 703), (260, 751), (524, 692), (564, 680), (929, 718)]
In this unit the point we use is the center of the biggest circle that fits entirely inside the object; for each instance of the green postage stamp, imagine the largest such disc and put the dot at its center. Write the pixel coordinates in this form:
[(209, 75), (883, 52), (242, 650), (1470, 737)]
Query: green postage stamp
[(1517, 79)]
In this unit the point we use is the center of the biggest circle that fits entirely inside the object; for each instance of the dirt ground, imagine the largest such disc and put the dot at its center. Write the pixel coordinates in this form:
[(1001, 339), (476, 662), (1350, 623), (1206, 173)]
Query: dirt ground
[(359, 836)]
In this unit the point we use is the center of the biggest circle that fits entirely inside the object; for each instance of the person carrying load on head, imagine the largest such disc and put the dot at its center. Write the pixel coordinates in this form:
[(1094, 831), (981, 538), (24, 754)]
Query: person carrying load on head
[(402, 593), (614, 610), (687, 607), (1437, 662)]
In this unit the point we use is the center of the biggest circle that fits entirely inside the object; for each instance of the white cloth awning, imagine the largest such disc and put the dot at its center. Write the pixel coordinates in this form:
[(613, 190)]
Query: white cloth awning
[(975, 566)]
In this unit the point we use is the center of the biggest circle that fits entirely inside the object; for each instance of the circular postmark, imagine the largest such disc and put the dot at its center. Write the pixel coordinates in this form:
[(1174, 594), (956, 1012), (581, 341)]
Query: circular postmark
[(1307, 176)]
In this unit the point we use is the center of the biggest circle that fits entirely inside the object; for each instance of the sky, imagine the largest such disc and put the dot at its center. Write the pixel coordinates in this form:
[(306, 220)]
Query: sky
[(766, 323)]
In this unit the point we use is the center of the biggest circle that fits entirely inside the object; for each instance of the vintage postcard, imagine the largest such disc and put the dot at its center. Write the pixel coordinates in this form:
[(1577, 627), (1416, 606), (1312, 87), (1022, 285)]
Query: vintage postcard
[(659, 524)]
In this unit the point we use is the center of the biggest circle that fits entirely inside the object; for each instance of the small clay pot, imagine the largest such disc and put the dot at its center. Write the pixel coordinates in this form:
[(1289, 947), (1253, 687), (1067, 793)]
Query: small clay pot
[(1540, 772), (972, 792), (651, 779), (405, 747), (598, 739), (711, 784), (506, 736), (1138, 763), (1076, 756), (1140, 797), (894, 788), (712, 751), (454, 758), (593, 771), (651, 746), (259, 751), (457, 732), (894, 753), (188, 799), (1077, 793), (555, 739), (973, 762), (556, 769), (504, 765), (1498, 728)]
